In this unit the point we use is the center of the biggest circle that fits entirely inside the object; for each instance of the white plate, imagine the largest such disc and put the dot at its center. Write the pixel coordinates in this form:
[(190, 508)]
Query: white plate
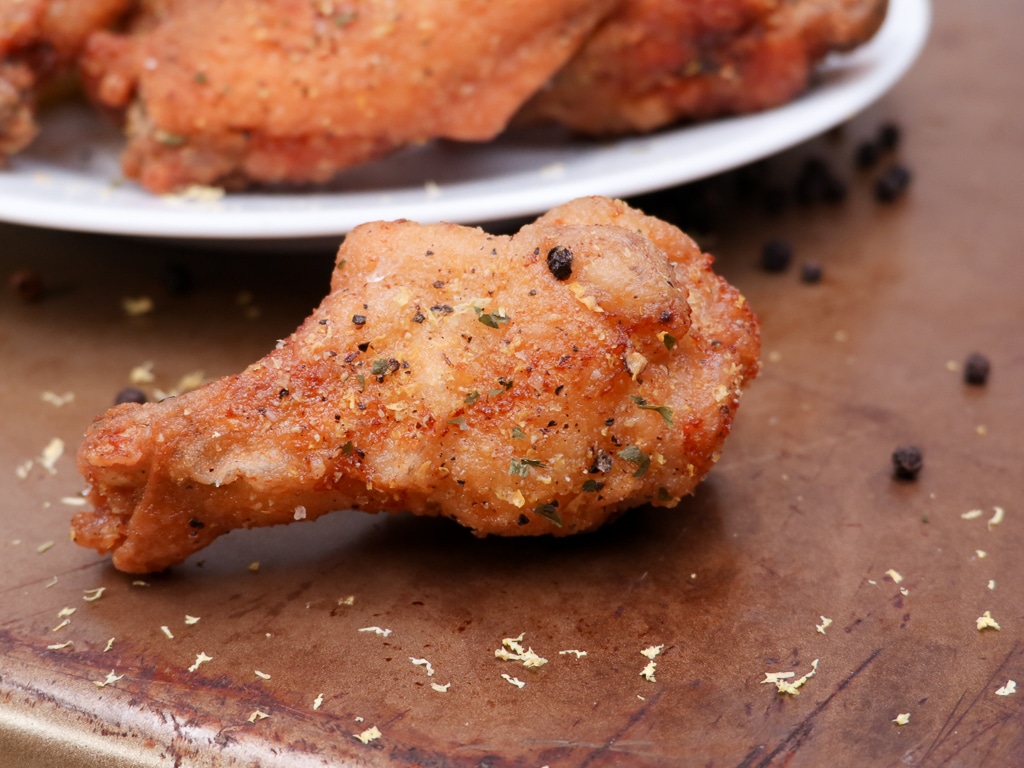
[(68, 177)]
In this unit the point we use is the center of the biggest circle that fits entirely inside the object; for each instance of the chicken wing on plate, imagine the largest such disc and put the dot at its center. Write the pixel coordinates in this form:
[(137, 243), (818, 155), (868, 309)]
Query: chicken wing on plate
[(532, 384), (653, 63), (233, 92)]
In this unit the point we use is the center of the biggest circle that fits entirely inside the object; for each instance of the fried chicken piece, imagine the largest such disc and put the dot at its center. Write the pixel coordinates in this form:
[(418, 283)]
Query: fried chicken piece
[(653, 63), (520, 385), (40, 40), (231, 92)]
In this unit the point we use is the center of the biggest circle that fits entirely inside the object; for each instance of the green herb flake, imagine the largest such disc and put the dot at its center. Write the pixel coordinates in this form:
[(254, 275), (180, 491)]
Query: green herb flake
[(344, 18), (664, 495), (592, 486), (550, 513), (200, 78), (663, 410), (341, 264), (668, 340), (347, 448), (460, 422), (521, 467), (471, 398), (169, 139), (361, 381), (518, 434), (634, 455), (490, 319)]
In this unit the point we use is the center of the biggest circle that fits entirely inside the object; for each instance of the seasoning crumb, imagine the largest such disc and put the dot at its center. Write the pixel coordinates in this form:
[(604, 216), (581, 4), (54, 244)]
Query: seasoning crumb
[(376, 631), (992, 584), (781, 680), (512, 650), (985, 621), (423, 663), (261, 675), (254, 566), (44, 547), (110, 679), (91, 595), (136, 306), (441, 688), (907, 462), (191, 619), (109, 645), (370, 734), (201, 658), (976, 369), (60, 646), (167, 631), (56, 400), (258, 715), (902, 719), (825, 624), (998, 514), (973, 514), (513, 680), (894, 575), (318, 702), (142, 373), (1007, 690), (574, 652)]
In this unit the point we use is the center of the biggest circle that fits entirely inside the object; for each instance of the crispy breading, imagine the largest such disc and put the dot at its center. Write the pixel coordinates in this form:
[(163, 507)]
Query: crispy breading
[(231, 92), (653, 63), (448, 372), (40, 39)]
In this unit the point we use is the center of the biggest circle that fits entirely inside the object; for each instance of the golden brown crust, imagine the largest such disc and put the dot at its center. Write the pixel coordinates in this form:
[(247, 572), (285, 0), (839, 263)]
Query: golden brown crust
[(236, 91), (448, 372), (653, 63)]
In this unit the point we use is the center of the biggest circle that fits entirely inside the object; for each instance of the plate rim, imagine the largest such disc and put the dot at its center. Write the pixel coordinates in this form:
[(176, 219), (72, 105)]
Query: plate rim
[(522, 194)]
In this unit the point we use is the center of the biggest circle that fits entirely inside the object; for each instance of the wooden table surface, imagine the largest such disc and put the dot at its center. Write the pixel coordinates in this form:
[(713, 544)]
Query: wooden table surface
[(802, 519)]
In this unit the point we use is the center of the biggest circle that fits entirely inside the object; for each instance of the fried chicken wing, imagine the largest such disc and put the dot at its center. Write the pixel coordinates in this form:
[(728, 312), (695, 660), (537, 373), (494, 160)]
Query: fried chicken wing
[(231, 92), (653, 63), (531, 384), (40, 39)]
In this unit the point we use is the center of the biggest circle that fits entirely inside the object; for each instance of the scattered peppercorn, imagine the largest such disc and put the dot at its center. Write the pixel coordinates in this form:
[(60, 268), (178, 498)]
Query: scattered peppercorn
[(892, 184), (866, 156), (976, 369), (907, 462), (560, 262), (889, 136), (130, 395), (27, 285), (810, 272), (776, 254), (196, 523), (359, 319)]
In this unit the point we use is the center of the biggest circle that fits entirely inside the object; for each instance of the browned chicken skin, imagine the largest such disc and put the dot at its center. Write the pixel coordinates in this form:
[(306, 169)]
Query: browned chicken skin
[(40, 39), (232, 92), (520, 385), (656, 62)]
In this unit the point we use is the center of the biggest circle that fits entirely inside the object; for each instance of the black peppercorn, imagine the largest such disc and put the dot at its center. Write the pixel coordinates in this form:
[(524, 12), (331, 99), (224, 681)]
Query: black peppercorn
[(907, 462), (867, 155), (560, 262), (892, 184), (889, 137), (976, 369), (359, 319), (776, 255), (130, 395), (810, 272)]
